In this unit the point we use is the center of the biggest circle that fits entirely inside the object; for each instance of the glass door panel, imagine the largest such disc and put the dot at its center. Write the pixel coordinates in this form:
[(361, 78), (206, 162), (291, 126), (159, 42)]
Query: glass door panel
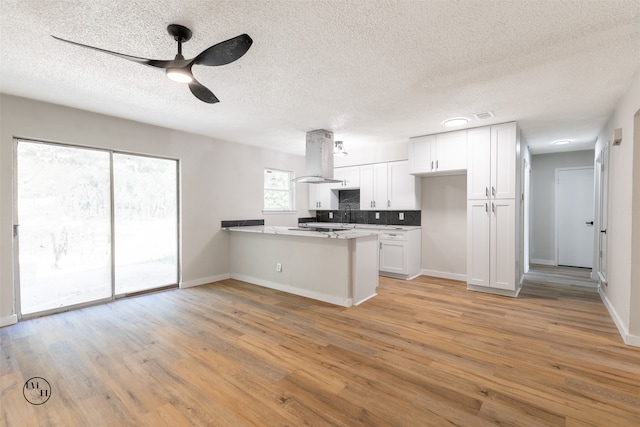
[(64, 211), (146, 222)]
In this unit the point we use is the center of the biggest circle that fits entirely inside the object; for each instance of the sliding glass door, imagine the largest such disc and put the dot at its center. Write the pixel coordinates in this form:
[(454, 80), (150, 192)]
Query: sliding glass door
[(93, 224), (146, 218), (64, 213)]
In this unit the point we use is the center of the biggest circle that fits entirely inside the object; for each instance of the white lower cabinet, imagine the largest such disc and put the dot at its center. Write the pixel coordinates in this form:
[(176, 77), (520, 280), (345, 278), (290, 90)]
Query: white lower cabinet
[(400, 253), (491, 244)]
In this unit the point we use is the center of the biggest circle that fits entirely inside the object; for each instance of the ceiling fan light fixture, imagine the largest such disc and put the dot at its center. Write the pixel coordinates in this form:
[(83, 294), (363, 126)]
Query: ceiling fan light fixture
[(339, 149), (179, 75), (455, 121)]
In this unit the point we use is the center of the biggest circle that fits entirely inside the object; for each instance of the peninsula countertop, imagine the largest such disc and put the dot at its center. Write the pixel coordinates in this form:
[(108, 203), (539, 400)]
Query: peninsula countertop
[(351, 233)]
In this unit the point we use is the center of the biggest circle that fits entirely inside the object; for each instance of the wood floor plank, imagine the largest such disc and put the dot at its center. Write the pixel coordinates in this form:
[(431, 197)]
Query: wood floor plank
[(423, 352)]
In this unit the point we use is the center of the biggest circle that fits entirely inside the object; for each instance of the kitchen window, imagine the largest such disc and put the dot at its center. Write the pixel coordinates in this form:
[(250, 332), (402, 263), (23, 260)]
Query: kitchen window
[(278, 190)]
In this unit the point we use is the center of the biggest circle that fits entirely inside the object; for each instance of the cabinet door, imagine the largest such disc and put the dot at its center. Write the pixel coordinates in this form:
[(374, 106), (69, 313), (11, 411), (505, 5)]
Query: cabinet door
[(380, 199), (451, 151), (420, 154), (393, 256), (350, 177), (503, 161), (403, 188), (367, 190), (478, 163), (322, 198), (478, 242), (503, 244)]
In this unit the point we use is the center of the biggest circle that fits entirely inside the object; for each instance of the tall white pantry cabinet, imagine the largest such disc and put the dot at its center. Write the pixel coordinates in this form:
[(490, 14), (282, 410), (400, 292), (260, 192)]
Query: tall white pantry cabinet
[(493, 209)]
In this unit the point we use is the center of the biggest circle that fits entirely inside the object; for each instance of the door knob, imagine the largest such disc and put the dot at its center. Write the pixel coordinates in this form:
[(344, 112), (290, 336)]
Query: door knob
[(589, 222), (604, 231)]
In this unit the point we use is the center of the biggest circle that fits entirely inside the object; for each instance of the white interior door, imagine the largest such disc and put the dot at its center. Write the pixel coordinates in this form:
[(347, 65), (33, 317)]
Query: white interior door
[(574, 216)]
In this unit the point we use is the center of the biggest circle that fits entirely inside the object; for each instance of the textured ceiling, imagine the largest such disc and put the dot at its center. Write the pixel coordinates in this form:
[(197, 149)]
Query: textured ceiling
[(371, 71)]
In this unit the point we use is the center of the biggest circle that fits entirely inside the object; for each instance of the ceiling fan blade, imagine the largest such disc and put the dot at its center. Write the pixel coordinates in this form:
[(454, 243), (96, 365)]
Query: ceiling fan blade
[(150, 62), (224, 52), (202, 93)]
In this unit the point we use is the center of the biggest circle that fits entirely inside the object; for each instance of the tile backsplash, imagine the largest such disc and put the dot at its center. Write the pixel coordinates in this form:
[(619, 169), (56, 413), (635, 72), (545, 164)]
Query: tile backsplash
[(349, 212)]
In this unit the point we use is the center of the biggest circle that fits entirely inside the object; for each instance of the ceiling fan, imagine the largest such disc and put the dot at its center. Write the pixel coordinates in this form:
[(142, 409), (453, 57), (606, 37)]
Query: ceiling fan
[(179, 69)]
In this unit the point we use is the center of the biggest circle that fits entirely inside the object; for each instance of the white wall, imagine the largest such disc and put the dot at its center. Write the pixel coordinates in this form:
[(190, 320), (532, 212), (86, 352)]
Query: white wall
[(444, 226), (219, 180), (542, 221), (621, 293)]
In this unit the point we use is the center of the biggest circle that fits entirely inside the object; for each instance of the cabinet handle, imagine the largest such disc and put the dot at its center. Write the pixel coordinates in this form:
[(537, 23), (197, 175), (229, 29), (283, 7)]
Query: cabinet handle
[(431, 164), (493, 207), (486, 207), (493, 190), (388, 203), (486, 191), (436, 164)]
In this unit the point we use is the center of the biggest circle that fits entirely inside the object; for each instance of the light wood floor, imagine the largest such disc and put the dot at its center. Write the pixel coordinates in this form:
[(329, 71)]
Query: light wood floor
[(424, 352)]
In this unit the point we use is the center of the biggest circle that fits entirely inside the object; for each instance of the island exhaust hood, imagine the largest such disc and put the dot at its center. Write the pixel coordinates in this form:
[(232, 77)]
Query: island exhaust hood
[(319, 158)]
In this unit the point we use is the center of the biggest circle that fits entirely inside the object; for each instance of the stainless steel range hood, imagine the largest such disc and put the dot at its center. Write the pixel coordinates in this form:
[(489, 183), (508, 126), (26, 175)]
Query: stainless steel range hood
[(319, 158)]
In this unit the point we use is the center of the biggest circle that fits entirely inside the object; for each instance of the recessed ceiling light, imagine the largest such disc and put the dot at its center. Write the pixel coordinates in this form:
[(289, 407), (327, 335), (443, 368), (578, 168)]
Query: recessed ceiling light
[(561, 142), (456, 121)]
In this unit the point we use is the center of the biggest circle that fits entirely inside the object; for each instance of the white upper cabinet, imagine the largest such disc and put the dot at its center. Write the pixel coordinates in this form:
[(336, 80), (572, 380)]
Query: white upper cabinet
[(389, 186), (441, 154), (349, 177), (492, 162), (478, 163), (322, 198), (403, 189), (373, 187), (420, 155), (503, 161)]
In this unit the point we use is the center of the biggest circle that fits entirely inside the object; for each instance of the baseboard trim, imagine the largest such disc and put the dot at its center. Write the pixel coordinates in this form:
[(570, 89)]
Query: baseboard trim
[(8, 320), (542, 261), (494, 291), (444, 275), (204, 280), (628, 339), (344, 302)]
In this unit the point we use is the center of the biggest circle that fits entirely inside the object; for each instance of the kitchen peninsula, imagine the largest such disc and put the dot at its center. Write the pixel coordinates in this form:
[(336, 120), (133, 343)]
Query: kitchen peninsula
[(339, 267)]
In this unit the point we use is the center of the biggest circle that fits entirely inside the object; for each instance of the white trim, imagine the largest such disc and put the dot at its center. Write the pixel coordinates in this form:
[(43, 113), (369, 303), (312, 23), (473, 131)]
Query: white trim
[(541, 262), (444, 275), (344, 302), (628, 339), (8, 320), (204, 280), (495, 291), (366, 299)]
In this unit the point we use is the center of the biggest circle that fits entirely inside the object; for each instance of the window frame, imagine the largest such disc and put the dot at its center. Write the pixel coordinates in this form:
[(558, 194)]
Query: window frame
[(290, 191)]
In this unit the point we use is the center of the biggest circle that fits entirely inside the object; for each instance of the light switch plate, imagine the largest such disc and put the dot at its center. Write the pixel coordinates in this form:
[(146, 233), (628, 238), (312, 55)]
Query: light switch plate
[(401, 216), (377, 215), (330, 215)]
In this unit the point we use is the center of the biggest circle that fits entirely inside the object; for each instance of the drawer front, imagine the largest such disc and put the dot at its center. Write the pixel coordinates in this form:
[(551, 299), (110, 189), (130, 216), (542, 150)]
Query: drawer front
[(394, 236)]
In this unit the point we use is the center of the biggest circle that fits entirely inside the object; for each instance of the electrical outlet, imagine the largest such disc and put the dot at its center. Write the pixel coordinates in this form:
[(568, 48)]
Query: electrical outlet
[(377, 215), (401, 216), (278, 267), (330, 215)]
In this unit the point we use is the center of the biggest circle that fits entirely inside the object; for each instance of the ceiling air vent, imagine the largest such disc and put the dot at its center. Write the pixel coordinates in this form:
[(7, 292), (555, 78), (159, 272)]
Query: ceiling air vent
[(484, 115)]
